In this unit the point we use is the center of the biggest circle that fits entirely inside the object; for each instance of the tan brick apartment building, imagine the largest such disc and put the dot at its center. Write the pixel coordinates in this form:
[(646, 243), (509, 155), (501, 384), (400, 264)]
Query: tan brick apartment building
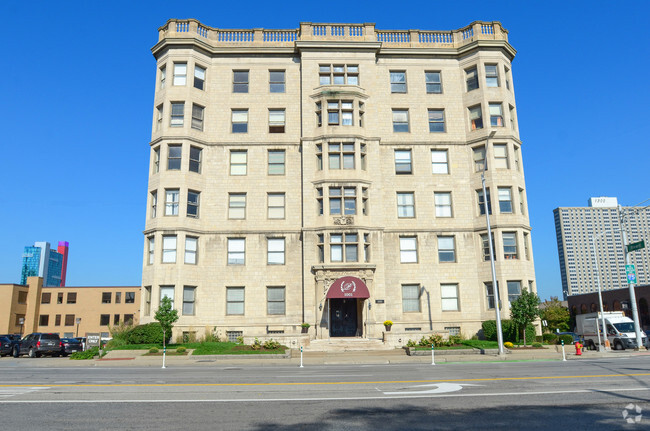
[(56, 309), (332, 175)]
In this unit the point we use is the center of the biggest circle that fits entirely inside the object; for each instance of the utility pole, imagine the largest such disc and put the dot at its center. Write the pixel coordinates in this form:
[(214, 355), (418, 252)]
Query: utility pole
[(631, 280)]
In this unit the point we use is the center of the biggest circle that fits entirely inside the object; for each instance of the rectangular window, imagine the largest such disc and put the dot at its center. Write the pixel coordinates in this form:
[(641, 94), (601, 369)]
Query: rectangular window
[(475, 117), (236, 251), (104, 319), (449, 297), (276, 81), (275, 300), (489, 294), (147, 301), (59, 298), (510, 245), (471, 78), (195, 159), (193, 203), (116, 319), (163, 77), (240, 121), (526, 249), (408, 249), (276, 120), (514, 291), (71, 298), (197, 116), (238, 162), (235, 301), (128, 319), (178, 111), (156, 160), (496, 115), (491, 75), (321, 247), (69, 320), (405, 204), (501, 156), (46, 297), (129, 297), (343, 200), (275, 251), (189, 293), (410, 298), (167, 292), (513, 123), (403, 162), (479, 158), (522, 202), (237, 206), (398, 82), (174, 155), (481, 202), (240, 81), (433, 82), (44, 320), (338, 74), (180, 73), (344, 247), (400, 120), (106, 297), (171, 202), (22, 297), (443, 204), (152, 249), (159, 118), (169, 249), (439, 162), (446, 249), (199, 77), (486, 246), (191, 249), (436, 120), (276, 162), (154, 203), (340, 155), (507, 76), (57, 320), (275, 206), (505, 200)]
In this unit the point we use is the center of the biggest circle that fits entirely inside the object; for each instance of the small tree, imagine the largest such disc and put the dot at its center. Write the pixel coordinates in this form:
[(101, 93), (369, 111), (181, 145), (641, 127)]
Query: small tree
[(556, 315), (524, 310), (166, 316)]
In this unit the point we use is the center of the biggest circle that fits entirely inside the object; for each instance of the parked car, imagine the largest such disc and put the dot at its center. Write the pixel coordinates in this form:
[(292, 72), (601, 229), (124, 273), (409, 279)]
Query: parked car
[(70, 345), (6, 347), (82, 340), (575, 337), (38, 344), (14, 340)]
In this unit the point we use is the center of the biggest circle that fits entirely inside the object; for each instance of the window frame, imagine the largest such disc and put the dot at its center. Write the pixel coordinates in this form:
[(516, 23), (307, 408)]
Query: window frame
[(172, 202), (190, 255), (446, 297), (276, 251), (280, 86), (398, 83), (199, 77), (408, 249), (177, 114), (271, 302), (492, 76), (496, 114), (274, 206), (437, 124), (444, 253), (404, 206), (180, 75), (236, 205), (439, 165), (174, 157), (236, 251), (189, 301), (475, 117), (239, 120), (401, 126), (196, 156), (169, 253), (233, 302), (275, 124), (510, 246), (237, 166), (505, 200), (411, 298), (238, 84), (275, 167), (198, 112), (443, 209), (193, 203), (430, 84), (403, 167), (471, 78)]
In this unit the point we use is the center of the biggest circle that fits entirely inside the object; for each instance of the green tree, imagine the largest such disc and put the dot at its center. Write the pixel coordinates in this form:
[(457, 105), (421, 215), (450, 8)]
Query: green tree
[(166, 316), (524, 310), (556, 315)]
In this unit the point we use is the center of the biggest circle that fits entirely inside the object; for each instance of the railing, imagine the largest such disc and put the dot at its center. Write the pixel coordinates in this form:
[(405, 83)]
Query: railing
[(478, 30)]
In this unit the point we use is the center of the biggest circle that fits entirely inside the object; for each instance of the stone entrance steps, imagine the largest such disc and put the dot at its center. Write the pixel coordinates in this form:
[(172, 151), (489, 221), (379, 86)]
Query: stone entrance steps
[(343, 344)]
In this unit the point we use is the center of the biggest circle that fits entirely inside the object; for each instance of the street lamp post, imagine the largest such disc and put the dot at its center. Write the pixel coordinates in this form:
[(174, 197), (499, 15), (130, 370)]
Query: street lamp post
[(78, 320), (631, 284), (21, 321), (605, 344), (495, 287)]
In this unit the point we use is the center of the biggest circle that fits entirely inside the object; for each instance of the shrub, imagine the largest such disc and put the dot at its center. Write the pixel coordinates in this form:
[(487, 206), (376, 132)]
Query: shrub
[(538, 345), (240, 340), (86, 354), (456, 339), (153, 350), (151, 333), (121, 331), (538, 338), (211, 335), (411, 343), (508, 345), (550, 338), (435, 339), (256, 344), (509, 329), (271, 344), (181, 349), (116, 342), (568, 339)]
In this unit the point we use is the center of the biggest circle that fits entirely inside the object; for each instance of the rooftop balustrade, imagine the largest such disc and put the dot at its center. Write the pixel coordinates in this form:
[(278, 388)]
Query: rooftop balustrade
[(318, 32)]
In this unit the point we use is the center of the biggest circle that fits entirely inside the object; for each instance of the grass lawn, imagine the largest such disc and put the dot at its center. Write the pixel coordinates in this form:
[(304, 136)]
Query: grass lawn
[(218, 348), (467, 344)]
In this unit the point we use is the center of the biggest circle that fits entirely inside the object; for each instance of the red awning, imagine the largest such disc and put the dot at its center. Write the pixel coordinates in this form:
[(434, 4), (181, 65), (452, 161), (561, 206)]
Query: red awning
[(348, 287)]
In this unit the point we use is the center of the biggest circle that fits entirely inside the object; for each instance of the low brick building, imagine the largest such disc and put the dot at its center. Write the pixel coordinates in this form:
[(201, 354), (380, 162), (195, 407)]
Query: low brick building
[(614, 300)]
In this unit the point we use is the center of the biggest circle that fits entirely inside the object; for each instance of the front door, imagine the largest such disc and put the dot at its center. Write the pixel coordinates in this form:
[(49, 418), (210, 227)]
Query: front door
[(343, 318)]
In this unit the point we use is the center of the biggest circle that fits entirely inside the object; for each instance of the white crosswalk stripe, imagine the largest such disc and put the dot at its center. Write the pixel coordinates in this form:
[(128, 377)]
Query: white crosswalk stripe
[(8, 392)]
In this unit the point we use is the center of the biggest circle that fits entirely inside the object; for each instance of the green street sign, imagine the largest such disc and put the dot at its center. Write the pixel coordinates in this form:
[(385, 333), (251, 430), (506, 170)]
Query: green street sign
[(631, 274), (635, 246)]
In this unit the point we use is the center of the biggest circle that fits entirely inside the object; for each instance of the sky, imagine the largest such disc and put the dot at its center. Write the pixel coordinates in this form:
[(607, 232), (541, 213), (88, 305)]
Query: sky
[(77, 86)]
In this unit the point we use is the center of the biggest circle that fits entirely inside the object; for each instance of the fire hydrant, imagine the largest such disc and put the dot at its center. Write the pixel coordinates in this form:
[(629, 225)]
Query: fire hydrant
[(579, 347)]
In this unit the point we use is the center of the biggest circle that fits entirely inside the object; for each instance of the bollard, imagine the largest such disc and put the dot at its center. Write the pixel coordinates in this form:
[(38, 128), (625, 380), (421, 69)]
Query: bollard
[(164, 352), (301, 357), (563, 354), (433, 362)]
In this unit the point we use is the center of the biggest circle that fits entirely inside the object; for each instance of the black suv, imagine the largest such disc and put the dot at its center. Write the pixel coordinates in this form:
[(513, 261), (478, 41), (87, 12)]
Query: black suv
[(37, 344), (13, 341)]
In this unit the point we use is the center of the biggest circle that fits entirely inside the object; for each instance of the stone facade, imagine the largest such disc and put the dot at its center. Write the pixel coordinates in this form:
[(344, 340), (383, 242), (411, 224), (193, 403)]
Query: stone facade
[(382, 119)]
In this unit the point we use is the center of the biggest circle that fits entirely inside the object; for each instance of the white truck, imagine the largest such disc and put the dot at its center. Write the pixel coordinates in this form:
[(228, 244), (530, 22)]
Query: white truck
[(620, 330)]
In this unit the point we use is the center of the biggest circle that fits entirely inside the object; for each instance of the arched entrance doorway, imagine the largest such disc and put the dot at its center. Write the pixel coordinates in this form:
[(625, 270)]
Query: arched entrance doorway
[(345, 299)]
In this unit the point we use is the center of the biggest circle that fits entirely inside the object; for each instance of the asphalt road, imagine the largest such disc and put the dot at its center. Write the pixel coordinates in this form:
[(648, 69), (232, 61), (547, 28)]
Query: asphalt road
[(587, 394)]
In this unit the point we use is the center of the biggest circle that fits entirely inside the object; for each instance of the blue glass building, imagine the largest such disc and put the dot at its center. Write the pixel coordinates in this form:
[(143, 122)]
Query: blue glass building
[(40, 260)]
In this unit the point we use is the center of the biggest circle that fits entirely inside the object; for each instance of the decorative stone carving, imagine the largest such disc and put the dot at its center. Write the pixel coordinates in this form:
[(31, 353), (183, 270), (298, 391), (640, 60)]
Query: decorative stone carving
[(344, 221)]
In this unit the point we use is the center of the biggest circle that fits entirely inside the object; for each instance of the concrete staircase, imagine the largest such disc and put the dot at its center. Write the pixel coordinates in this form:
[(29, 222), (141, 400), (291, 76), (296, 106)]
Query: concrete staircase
[(343, 344)]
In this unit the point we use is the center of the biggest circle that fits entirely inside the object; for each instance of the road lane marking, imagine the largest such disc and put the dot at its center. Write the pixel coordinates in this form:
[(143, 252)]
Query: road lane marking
[(302, 399), (481, 379), (440, 388), (6, 392)]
